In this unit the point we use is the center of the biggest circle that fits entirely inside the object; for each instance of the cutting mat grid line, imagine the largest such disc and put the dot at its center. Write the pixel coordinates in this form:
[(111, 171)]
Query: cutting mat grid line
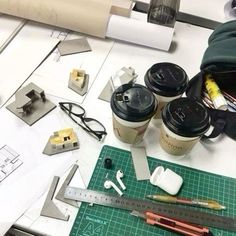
[(102, 221)]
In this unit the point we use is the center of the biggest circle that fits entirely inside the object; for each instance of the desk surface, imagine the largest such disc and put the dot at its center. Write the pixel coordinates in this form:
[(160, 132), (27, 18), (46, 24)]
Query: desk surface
[(187, 48)]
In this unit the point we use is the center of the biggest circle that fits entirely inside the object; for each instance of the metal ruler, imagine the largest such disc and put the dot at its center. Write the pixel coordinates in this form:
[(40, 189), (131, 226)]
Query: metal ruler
[(177, 212)]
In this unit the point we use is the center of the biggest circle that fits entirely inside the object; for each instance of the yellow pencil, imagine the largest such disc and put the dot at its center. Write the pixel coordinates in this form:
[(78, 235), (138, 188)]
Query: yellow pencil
[(211, 204)]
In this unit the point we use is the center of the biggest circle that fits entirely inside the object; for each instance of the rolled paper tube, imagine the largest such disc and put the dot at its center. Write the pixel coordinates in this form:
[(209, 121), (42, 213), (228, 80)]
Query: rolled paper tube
[(140, 32), (85, 16)]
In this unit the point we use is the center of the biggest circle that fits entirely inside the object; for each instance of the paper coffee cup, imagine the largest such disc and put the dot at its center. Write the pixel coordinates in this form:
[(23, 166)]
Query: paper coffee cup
[(162, 101), (133, 106), (167, 81), (184, 121)]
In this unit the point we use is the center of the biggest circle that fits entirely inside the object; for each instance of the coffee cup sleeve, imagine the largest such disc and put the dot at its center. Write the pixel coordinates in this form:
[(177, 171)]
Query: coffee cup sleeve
[(167, 180)]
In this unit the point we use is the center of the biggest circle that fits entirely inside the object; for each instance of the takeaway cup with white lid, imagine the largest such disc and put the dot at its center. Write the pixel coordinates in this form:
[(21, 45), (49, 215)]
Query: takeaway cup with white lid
[(184, 122), (167, 81), (133, 105)]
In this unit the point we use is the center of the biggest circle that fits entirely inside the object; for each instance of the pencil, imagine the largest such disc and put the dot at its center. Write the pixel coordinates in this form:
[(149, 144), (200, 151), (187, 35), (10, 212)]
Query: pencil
[(211, 204)]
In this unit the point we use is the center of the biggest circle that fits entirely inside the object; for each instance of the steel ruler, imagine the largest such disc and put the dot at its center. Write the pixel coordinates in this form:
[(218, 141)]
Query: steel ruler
[(177, 212)]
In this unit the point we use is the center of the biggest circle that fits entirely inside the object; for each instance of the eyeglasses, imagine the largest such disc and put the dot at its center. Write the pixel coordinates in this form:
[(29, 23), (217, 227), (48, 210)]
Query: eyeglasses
[(90, 125)]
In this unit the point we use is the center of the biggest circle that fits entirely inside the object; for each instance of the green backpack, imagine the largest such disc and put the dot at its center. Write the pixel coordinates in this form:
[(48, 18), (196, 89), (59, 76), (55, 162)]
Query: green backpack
[(219, 61)]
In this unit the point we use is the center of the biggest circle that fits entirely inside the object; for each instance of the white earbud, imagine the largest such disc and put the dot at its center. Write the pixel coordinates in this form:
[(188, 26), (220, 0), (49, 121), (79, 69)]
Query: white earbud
[(108, 184), (119, 175)]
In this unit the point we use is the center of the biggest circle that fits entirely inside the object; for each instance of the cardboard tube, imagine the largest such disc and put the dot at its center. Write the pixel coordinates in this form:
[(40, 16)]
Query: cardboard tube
[(121, 7), (85, 16)]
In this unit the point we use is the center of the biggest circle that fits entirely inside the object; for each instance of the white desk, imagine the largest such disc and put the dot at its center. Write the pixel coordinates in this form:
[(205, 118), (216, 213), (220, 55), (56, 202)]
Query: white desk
[(213, 10), (187, 49)]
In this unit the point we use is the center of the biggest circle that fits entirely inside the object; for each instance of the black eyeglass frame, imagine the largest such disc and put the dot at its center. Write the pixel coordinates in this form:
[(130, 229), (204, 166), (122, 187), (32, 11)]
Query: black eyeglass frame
[(68, 110)]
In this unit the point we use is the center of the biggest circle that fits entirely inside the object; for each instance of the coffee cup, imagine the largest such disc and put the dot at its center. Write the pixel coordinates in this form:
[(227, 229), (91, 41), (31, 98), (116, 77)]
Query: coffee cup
[(133, 106), (184, 122), (167, 81)]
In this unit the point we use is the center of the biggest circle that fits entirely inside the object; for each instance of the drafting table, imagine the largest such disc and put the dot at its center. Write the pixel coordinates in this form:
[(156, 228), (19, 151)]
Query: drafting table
[(189, 44)]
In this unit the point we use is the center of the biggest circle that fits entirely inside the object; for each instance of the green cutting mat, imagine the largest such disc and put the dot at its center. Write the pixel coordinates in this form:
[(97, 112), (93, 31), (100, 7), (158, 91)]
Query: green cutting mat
[(100, 221)]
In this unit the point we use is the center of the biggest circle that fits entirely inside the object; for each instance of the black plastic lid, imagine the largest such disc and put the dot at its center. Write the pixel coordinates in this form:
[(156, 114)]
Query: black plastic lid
[(133, 102), (166, 79), (186, 117)]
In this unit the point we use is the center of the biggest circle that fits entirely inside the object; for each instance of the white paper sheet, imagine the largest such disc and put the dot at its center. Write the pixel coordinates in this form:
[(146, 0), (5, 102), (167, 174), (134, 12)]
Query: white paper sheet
[(27, 183), (53, 74), (9, 26), (139, 32), (22, 56)]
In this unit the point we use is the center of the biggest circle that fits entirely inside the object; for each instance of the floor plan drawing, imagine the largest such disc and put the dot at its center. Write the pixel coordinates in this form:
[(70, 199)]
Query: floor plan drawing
[(9, 161)]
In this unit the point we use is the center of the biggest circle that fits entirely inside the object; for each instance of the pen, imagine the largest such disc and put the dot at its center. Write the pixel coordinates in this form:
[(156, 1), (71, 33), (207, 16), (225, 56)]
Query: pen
[(211, 204), (173, 224)]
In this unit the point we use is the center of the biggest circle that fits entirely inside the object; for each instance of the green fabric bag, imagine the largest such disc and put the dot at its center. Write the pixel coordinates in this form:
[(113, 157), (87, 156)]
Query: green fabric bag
[(219, 60), (220, 56)]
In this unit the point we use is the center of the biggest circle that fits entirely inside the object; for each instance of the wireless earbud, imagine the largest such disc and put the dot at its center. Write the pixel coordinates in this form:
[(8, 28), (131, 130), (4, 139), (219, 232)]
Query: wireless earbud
[(119, 175), (108, 184)]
